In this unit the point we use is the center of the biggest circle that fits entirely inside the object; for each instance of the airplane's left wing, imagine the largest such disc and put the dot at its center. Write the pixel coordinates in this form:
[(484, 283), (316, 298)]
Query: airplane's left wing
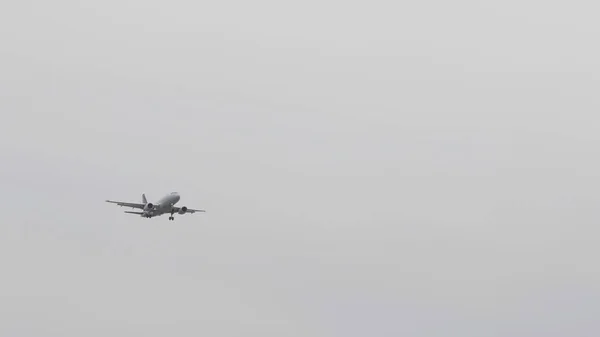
[(188, 210), (127, 204)]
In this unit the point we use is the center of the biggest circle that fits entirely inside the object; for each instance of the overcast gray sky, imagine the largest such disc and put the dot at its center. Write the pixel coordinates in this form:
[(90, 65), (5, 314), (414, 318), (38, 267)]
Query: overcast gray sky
[(370, 168)]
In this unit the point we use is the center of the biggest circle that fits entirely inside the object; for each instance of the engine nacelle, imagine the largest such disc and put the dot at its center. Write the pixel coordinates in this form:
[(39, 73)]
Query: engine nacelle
[(182, 210), (149, 206)]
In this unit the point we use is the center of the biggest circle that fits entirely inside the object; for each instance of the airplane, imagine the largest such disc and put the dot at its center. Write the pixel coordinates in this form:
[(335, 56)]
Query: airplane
[(163, 206)]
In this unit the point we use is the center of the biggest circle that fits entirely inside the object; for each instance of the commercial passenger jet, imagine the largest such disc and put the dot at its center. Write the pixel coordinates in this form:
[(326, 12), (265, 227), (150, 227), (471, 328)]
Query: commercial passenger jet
[(162, 206)]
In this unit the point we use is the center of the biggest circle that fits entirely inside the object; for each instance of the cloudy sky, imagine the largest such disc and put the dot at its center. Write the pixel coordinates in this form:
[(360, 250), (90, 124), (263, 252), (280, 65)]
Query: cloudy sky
[(369, 168)]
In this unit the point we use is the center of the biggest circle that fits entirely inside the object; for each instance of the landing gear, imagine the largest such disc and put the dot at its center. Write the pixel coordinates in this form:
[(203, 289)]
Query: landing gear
[(172, 212)]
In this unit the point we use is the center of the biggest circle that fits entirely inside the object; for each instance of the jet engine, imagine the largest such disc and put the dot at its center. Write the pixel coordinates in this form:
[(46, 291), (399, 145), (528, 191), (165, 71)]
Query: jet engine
[(149, 206), (182, 210)]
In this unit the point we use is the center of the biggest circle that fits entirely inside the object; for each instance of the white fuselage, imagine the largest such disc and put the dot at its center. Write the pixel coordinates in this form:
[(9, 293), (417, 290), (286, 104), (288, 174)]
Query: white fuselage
[(164, 205)]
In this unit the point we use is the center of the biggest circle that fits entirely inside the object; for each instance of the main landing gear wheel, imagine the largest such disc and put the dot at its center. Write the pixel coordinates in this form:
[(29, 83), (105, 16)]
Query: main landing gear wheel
[(171, 218)]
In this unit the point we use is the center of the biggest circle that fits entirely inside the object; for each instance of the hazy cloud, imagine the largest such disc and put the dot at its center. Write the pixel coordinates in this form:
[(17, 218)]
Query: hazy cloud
[(369, 168)]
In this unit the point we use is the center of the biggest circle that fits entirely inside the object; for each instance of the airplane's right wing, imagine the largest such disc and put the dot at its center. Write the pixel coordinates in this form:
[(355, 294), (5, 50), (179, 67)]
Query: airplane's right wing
[(127, 204)]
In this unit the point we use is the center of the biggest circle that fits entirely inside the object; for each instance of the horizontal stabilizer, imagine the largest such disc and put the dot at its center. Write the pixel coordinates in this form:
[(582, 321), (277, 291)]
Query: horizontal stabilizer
[(138, 213)]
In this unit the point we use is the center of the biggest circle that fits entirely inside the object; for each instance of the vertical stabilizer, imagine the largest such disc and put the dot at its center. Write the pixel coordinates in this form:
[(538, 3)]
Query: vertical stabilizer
[(144, 199)]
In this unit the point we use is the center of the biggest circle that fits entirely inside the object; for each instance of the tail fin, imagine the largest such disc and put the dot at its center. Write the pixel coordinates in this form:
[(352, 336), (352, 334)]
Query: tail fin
[(144, 199)]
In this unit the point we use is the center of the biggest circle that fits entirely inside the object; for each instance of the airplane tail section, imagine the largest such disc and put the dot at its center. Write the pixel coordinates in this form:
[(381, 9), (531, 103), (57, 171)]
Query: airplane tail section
[(144, 199)]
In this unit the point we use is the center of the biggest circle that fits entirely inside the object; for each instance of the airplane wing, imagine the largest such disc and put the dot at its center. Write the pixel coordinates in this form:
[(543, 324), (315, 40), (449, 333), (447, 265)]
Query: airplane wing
[(127, 204), (138, 213), (188, 210)]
